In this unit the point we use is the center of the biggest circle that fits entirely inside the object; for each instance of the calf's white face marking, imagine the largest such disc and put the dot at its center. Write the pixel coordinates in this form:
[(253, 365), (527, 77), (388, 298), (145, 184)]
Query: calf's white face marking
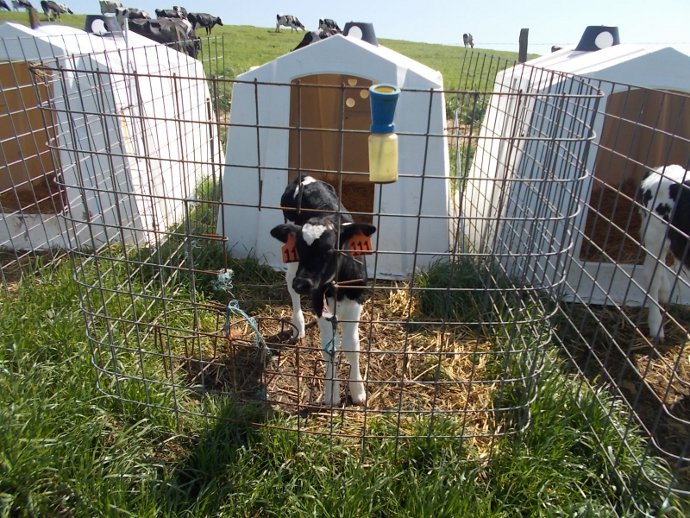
[(306, 181), (311, 233)]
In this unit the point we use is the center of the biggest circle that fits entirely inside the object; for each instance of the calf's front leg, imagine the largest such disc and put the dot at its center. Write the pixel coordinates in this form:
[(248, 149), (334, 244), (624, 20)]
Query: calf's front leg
[(297, 314), (657, 282), (349, 314), (329, 348)]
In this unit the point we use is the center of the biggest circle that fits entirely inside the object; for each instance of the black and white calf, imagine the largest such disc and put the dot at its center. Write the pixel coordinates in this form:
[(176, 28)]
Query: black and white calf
[(665, 195), (329, 271), (468, 40), (287, 20)]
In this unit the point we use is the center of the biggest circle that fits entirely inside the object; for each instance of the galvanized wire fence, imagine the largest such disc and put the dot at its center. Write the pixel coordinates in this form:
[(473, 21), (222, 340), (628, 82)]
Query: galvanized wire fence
[(182, 317), (454, 346)]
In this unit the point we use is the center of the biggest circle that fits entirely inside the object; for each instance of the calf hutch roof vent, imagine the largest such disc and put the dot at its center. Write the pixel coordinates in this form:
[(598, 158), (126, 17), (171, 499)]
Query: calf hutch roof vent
[(640, 122), (110, 144), (597, 37), (307, 112)]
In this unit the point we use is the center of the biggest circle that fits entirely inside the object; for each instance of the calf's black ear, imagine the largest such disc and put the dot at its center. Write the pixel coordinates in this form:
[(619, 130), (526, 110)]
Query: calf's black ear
[(350, 229), (282, 231)]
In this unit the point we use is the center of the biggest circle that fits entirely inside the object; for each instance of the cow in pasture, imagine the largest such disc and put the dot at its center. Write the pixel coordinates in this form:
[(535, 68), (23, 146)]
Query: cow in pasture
[(664, 197), (321, 249), (468, 40), (137, 14), (175, 12), (287, 20), (53, 10), (168, 31), (22, 4), (328, 25), (314, 36), (110, 6), (207, 21)]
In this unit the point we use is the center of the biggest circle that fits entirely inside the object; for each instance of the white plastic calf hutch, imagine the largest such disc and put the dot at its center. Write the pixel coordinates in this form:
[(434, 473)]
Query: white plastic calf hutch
[(130, 119), (308, 111), (635, 127)]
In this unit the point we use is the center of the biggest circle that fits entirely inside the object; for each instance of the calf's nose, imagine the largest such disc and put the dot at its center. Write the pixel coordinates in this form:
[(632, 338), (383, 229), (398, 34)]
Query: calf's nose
[(302, 286)]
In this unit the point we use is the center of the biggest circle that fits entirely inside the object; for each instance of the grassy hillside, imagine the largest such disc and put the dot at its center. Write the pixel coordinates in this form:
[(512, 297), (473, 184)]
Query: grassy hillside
[(245, 46)]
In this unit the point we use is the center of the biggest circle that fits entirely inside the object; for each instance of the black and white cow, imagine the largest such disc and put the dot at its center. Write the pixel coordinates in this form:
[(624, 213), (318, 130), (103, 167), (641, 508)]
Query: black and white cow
[(175, 12), (312, 37), (468, 40), (135, 13), (53, 9), (205, 20), (665, 197), (22, 4), (287, 20), (329, 271), (329, 25), (110, 6), (173, 32)]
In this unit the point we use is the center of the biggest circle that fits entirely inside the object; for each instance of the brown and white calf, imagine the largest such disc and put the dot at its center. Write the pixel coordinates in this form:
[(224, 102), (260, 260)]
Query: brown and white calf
[(323, 242), (665, 195)]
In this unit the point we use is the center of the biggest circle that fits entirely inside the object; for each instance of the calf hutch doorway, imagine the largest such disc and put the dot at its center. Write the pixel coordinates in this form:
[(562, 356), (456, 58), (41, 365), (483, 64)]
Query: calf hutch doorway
[(28, 179), (642, 128), (95, 138), (320, 105), (308, 112), (642, 121)]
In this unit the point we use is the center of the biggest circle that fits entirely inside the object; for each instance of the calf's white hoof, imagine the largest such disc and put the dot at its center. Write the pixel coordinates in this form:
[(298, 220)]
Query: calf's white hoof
[(357, 393)]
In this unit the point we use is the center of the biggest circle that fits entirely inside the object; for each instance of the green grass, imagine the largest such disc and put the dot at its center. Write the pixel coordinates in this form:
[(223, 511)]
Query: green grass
[(65, 449)]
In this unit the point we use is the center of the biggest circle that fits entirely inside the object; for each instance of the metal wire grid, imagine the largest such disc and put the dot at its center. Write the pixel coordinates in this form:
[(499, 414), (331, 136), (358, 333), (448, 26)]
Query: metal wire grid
[(601, 323), (25, 237), (145, 354), (604, 331), (454, 351), (33, 231)]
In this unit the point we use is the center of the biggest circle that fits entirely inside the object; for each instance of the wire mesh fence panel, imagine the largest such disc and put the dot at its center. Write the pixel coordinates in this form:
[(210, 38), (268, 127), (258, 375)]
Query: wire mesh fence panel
[(515, 224), (624, 318), (30, 196), (171, 195)]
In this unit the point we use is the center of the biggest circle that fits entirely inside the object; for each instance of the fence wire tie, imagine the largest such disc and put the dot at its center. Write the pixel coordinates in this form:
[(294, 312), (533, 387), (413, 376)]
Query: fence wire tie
[(224, 283), (329, 347)]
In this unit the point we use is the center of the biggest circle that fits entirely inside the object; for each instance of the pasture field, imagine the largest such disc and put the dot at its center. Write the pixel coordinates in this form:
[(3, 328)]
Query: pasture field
[(244, 47), (68, 450)]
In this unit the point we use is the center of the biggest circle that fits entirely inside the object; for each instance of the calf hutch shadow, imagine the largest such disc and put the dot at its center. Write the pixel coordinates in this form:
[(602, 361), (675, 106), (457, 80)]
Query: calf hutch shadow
[(474, 250)]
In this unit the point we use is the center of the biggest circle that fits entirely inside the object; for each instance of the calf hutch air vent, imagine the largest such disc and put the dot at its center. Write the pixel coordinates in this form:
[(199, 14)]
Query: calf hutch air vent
[(126, 124)]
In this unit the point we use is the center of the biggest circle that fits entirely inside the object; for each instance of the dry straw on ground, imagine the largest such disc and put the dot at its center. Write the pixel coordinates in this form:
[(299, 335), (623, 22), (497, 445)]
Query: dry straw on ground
[(410, 370)]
